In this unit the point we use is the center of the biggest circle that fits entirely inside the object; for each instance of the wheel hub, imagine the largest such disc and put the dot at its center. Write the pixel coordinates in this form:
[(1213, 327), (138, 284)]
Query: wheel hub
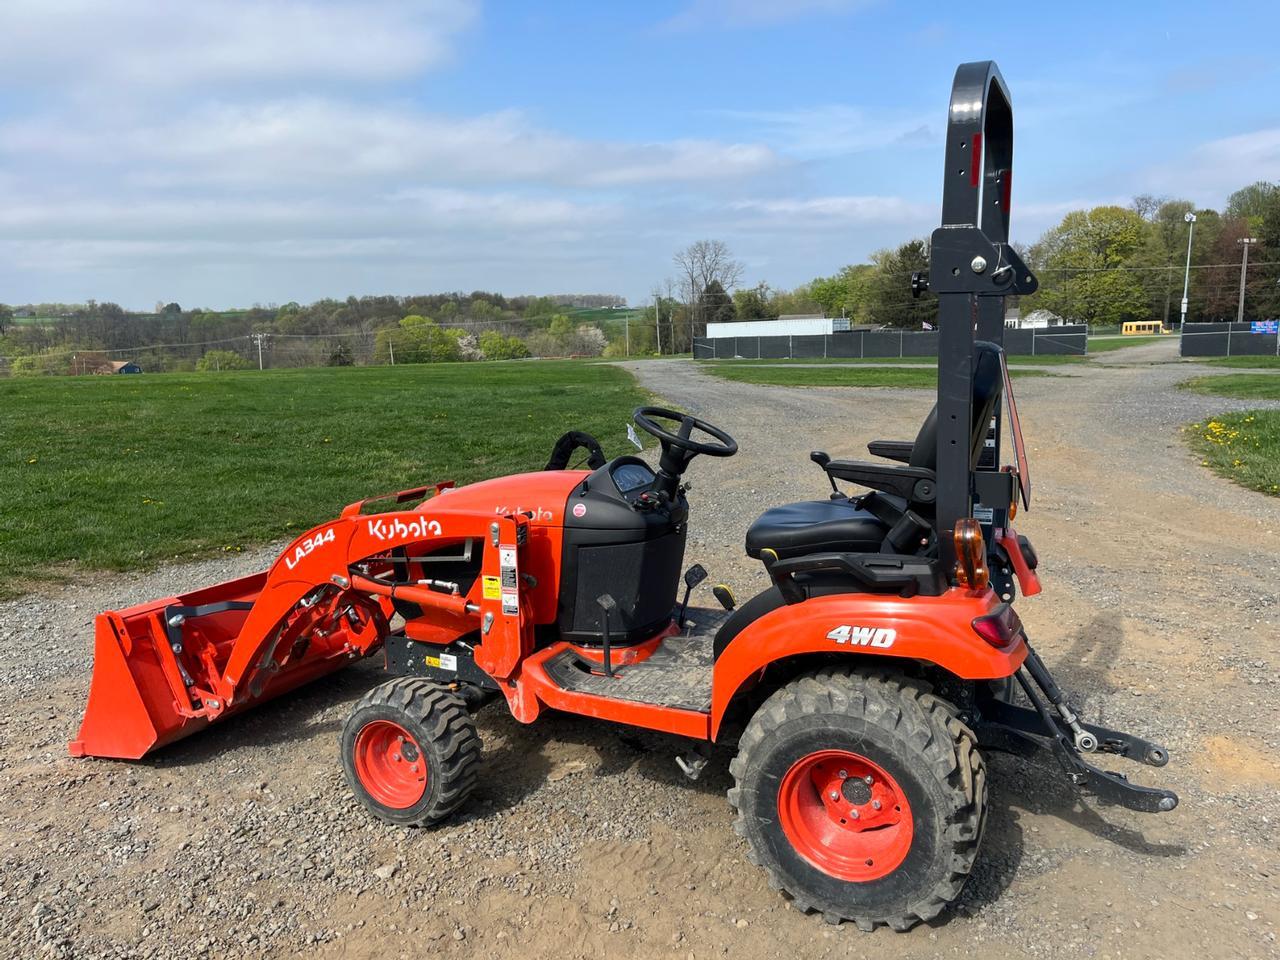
[(390, 764), (845, 815)]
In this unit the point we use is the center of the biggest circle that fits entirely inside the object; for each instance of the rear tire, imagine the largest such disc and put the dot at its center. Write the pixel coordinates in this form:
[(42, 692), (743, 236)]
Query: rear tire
[(410, 751), (863, 796)]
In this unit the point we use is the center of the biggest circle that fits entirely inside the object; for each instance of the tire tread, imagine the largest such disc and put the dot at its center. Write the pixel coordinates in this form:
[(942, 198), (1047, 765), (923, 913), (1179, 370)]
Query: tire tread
[(905, 708)]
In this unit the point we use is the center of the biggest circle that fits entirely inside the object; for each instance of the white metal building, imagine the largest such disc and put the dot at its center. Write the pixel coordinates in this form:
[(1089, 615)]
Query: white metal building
[(792, 325)]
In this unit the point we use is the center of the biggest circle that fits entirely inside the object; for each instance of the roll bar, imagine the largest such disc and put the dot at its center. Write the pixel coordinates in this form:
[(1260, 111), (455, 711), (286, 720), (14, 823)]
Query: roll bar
[(972, 268)]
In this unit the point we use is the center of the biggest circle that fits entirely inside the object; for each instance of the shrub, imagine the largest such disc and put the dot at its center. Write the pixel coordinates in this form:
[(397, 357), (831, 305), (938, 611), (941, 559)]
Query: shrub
[(497, 346)]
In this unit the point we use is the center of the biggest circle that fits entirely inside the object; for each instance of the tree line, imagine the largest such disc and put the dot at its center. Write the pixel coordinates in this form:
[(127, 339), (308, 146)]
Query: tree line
[(1102, 267)]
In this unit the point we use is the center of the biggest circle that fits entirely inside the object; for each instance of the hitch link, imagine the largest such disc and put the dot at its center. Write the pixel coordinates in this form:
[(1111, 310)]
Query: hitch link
[(1085, 741)]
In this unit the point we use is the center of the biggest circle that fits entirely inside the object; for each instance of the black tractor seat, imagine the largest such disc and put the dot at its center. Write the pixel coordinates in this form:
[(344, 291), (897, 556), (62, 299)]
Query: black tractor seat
[(815, 526), (897, 516)]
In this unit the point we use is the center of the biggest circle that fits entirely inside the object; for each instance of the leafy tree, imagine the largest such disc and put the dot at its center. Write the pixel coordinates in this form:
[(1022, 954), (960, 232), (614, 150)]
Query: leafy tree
[(846, 293), (1267, 301), (888, 288), (44, 364), (541, 308), (1163, 254), (6, 317), (498, 346), (340, 356), (1252, 203), (217, 360), (752, 303), (1079, 263), (714, 305), (417, 339)]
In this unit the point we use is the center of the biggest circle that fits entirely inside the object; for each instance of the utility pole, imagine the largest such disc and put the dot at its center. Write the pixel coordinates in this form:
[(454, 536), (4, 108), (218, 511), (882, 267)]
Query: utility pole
[(1186, 277), (626, 332), (258, 338), (391, 344), (657, 319), (1245, 242)]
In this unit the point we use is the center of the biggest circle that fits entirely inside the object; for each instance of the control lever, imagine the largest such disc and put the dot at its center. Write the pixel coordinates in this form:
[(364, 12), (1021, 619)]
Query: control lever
[(722, 593), (692, 577), (607, 603), (822, 458)]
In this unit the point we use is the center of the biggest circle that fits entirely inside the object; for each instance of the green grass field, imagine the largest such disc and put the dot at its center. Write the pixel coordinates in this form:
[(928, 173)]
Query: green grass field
[(1242, 386), (1256, 363), (123, 472), (1107, 344), (848, 375), (601, 315), (1243, 447)]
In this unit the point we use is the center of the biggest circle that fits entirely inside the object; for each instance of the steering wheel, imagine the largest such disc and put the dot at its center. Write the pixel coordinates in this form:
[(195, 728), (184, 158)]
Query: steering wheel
[(644, 416), (679, 447)]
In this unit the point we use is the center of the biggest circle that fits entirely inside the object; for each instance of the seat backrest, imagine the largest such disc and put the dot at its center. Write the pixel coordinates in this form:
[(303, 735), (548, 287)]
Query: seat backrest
[(987, 381)]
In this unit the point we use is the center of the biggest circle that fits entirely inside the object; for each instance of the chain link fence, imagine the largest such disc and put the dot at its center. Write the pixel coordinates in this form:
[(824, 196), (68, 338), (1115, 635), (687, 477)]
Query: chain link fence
[(882, 344), (270, 351), (1250, 339)]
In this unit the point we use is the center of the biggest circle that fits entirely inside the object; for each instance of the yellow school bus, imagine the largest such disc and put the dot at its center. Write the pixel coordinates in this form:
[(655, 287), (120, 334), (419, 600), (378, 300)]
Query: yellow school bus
[(1141, 328)]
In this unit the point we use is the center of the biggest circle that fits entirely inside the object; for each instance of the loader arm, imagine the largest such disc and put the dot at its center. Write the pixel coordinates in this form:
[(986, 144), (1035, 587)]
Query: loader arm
[(164, 669)]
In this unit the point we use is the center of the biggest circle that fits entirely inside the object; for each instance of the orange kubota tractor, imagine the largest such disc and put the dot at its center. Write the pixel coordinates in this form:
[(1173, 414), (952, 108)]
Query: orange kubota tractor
[(857, 691)]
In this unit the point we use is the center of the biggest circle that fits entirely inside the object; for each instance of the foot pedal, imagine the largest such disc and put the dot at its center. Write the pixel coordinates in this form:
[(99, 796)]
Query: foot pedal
[(693, 763)]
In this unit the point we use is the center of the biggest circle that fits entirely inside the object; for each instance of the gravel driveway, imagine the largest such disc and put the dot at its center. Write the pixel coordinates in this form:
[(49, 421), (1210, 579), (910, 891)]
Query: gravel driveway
[(1160, 611)]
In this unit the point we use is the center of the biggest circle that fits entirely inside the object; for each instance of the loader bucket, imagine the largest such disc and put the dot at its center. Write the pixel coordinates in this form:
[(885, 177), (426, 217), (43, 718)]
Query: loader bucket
[(159, 667)]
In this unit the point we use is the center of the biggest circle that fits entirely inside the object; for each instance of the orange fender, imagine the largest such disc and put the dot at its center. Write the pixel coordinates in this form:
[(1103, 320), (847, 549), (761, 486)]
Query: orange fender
[(935, 630)]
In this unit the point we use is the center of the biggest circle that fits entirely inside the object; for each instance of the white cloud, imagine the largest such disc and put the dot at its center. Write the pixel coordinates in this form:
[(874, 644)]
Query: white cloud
[(1217, 168), (405, 213), (842, 211), (311, 140), (154, 46), (837, 129)]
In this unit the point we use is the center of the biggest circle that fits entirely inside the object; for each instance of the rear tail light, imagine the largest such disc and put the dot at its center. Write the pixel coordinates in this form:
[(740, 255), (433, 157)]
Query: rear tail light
[(1000, 628)]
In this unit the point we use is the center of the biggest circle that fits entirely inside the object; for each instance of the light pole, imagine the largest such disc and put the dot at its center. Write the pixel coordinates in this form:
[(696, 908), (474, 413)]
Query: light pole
[(1186, 277), (1245, 242)]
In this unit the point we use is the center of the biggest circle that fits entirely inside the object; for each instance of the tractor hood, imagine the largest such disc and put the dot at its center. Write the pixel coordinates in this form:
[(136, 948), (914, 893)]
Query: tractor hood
[(542, 495)]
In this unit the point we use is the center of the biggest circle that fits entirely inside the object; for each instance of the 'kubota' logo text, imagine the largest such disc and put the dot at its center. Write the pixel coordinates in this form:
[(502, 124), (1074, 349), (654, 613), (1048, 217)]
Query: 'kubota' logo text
[(864, 636), (399, 530)]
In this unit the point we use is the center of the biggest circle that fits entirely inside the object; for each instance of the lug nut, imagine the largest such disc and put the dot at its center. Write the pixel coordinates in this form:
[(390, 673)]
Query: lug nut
[(396, 757), (853, 814), (875, 804), (844, 774), (868, 780), (833, 795)]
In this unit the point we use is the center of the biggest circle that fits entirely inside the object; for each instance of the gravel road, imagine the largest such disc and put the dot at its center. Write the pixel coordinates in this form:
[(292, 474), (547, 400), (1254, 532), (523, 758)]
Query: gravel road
[(1161, 611)]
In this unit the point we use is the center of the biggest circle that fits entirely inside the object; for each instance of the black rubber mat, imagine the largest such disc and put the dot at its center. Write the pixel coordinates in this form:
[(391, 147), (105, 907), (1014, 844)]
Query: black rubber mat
[(678, 674)]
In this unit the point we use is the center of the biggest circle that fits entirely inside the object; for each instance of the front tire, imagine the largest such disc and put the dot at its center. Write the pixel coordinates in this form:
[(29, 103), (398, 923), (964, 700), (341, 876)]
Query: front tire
[(863, 796), (410, 751)]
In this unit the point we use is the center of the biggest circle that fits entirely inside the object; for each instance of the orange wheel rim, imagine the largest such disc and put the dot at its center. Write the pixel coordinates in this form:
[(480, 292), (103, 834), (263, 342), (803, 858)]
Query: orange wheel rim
[(845, 815), (390, 764)]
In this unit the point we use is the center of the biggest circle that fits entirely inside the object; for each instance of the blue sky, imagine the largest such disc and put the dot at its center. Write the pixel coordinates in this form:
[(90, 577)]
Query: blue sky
[(239, 151)]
